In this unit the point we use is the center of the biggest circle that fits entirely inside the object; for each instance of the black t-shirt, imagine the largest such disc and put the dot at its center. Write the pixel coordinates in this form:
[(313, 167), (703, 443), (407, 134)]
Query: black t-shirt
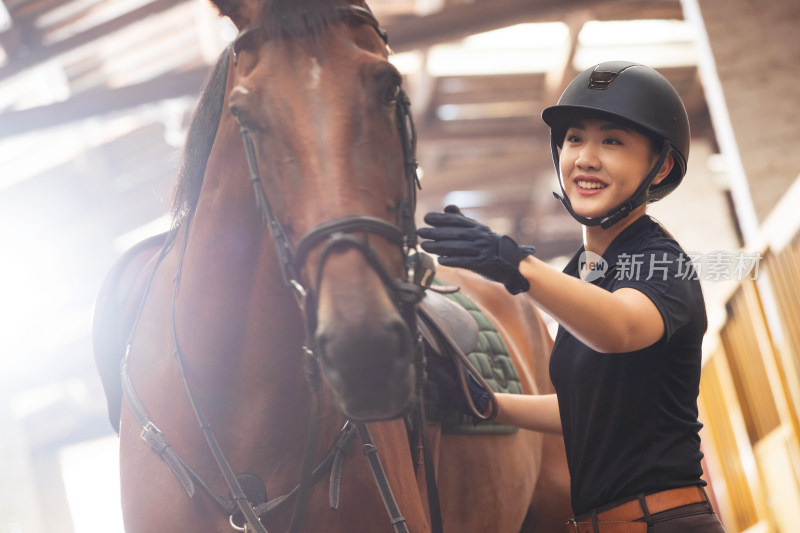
[(630, 419)]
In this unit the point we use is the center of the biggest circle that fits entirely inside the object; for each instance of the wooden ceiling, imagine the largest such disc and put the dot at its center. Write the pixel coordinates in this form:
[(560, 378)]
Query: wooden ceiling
[(95, 96), (121, 76)]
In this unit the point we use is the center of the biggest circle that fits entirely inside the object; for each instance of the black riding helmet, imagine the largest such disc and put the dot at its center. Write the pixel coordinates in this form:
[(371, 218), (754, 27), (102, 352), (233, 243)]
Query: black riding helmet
[(639, 96)]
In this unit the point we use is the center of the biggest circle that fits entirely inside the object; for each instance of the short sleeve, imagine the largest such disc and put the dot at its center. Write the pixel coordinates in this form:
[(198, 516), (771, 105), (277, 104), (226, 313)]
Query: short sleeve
[(667, 278)]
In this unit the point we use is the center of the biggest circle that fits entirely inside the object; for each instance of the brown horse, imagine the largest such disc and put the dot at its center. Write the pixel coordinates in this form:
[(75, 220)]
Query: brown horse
[(305, 112)]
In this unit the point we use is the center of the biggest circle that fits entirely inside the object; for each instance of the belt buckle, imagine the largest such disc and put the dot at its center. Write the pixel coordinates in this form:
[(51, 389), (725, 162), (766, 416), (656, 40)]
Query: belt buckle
[(572, 522)]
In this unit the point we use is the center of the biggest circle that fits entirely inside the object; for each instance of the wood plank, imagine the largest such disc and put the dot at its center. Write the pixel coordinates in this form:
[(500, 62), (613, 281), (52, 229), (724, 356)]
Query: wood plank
[(100, 102), (40, 54)]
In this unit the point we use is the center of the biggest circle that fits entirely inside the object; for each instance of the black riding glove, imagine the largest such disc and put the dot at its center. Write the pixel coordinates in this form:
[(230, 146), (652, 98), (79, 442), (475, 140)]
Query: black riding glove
[(466, 243), (480, 398), (446, 392)]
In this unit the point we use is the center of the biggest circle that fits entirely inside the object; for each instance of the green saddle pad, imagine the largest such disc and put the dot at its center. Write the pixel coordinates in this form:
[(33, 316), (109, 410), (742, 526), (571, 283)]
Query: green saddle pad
[(492, 360)]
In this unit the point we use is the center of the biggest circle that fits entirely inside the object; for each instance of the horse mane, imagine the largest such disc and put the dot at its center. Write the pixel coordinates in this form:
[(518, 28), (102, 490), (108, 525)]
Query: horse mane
[(199, 140)]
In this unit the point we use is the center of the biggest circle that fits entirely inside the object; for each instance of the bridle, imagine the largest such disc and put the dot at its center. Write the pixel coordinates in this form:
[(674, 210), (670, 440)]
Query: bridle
[(332, 236), (337, 235), (402, 234)]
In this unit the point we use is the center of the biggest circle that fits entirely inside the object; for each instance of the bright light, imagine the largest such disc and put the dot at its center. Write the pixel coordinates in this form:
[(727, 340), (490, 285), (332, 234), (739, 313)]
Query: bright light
[(635, 32), (32, 295), (407, 62), (84, 468), (655, 56), (22, 157), (538, 47), (523, 48), (454, 60), (657, 43), (466, 199), (486, 110), (154, 227), (5, 17), (531, 35)]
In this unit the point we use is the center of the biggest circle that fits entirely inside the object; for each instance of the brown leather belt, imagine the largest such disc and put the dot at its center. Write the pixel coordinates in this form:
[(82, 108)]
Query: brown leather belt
[(620, 519)]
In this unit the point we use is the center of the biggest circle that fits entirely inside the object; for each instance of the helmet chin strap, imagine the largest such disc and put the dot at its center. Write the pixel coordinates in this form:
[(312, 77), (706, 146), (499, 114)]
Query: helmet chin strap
[(622, 210)]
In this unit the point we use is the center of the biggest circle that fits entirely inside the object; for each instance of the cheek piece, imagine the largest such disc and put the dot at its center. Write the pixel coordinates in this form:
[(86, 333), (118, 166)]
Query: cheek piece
[(639, 196), (462, 242)]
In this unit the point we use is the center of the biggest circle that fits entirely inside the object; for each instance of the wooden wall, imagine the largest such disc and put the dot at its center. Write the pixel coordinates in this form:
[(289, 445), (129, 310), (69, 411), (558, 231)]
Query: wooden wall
[(749, 400)]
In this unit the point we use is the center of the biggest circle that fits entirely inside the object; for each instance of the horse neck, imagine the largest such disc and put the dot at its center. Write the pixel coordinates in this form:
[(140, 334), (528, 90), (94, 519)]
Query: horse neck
[(238, 325)]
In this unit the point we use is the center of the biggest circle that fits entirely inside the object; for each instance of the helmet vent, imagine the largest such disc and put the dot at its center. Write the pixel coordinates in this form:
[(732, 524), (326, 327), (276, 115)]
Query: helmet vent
[(601, 80)]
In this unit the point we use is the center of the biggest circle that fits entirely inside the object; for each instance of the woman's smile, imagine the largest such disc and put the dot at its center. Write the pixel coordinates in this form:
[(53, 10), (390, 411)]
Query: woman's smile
[(602, 164), (589, 185)]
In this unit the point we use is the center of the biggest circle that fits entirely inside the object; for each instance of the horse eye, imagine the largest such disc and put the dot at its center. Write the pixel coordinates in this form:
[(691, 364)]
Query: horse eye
[(241, 105), (391, 94), (246, 40)]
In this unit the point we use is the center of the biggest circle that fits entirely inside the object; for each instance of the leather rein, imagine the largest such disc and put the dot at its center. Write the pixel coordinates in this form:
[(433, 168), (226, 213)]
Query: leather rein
[(246, 501)]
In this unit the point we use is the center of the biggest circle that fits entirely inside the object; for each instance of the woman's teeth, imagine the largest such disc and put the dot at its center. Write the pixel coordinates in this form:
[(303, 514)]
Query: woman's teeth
[(583, 184)]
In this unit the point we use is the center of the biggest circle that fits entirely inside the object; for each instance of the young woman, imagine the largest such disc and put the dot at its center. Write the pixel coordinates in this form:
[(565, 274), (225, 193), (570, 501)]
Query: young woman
[(627, 356)]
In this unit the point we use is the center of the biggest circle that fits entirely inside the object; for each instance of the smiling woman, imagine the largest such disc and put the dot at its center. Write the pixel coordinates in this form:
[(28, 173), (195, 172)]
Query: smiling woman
[(602, 163), (627, 356)]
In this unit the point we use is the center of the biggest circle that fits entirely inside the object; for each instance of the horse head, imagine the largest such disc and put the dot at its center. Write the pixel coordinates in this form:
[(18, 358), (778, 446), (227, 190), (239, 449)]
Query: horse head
[(329, 146)]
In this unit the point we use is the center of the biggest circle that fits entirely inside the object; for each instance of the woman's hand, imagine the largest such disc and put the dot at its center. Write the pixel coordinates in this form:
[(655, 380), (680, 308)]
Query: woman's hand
[(466, 243)]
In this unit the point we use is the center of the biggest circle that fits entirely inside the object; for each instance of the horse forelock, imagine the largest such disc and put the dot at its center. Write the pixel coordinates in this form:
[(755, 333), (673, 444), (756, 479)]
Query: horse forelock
[(199, 140), (232, 9), (293, 18)]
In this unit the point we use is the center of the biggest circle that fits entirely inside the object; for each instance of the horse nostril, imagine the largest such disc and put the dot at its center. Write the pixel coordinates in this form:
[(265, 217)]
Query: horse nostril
[(404, 352), (368, 365), (321, 342), (385, 344)]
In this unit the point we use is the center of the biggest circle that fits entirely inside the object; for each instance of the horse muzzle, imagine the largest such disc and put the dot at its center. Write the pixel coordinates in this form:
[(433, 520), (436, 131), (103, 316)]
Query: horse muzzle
[(369, 366)]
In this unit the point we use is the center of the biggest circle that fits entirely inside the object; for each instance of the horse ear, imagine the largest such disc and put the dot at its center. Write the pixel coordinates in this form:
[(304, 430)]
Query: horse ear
[(243, 13)]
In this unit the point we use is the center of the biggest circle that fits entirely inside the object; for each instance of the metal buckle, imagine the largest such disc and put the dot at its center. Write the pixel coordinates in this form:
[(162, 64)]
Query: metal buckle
[(245, 528), (150, 434), (574, 524)]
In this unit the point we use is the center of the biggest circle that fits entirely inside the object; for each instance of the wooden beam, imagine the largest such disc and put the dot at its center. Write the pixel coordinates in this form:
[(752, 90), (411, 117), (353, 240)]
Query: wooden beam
[(501, 170), (454, 23), (39, 54), (450, 24), (467, 131), (103, 101), (31, 9), (558, 78), (665, 9)]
